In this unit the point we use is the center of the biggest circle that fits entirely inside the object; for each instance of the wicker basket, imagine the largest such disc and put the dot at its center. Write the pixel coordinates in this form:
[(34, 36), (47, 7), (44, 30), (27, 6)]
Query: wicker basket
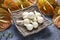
[(17, 16)]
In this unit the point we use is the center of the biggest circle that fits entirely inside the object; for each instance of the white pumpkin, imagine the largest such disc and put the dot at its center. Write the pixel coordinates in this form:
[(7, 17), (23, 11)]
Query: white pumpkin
[(40, 20), (26, 21), (29, 27), (35, 24), (37, 14), (31, 15)]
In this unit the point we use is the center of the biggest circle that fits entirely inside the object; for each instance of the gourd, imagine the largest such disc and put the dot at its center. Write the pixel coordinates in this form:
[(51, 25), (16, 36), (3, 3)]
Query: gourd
[(17, 4), (54, 3), (45, 7), (11, 5), (5, 19)]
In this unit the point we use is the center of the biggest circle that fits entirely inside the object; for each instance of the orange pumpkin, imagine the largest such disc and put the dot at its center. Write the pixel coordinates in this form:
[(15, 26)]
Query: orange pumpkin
[(5, 19), (11, 5), (57, 21), (45, 7)]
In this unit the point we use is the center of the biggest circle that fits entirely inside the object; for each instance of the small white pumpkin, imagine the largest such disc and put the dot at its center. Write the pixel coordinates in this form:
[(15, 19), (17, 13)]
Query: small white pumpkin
[(35, 24), (37, 14), (29, 27), (26, 21), (40, 20), (31, 15)]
